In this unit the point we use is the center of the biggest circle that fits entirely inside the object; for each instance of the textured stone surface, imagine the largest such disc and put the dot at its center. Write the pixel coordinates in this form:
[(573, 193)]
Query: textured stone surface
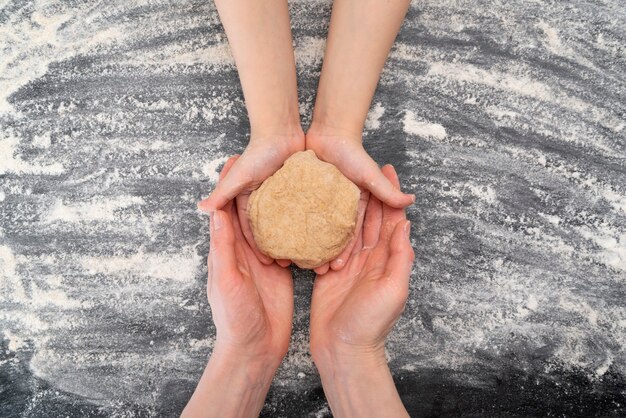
[(506, 119), (306, 212)]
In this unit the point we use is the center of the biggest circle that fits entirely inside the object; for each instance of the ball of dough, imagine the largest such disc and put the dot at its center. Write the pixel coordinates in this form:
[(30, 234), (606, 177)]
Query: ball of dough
[(306, 212)]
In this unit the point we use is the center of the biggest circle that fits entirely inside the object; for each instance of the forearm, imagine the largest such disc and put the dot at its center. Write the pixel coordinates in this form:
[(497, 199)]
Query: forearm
[(359, 386), (231, 387), (259, 34), (360, 36)]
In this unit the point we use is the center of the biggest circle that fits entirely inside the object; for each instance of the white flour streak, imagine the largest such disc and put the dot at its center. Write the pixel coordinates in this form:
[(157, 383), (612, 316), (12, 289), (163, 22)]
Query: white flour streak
[(210, 168), (42, 141), (41, 298), (424, 129), (517, 84), (309, 51), (612, 244), (181, 266), (201, 345), (15, 342), (11, 162), (217, 55), (98, 209), (9, 281), (374, 115), (40, 41)]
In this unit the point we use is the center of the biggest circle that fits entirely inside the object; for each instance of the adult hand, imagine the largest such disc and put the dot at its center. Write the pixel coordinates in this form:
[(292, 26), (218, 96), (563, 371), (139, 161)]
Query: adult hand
[(345, 150), (252, 307), (261, 158), (251, 303), (354, 309)]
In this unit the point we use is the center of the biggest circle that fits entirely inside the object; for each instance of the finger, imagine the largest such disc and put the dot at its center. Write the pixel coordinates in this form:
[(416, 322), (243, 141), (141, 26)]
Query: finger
[(371, 177), (323, 269), (237, 180), (225, 169), (392, 175), (222, 245), (372, 222), (339, 262), (391, 215), (244, 222), (234, 214), (401, 256), (227, 166), (209, 283), (283, 262)]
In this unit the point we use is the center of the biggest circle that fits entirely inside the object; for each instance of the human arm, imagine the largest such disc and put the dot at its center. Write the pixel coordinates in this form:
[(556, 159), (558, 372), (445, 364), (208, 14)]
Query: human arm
[(252, 307), (259, 35), (354, 309), (360, 36)]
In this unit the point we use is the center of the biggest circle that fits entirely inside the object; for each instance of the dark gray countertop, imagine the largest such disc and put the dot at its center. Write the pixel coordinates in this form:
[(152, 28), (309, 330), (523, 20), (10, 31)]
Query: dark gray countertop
[(506, 119)]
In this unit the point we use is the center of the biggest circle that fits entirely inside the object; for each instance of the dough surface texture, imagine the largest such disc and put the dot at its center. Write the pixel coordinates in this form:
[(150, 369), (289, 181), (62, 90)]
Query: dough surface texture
[(305, 212)]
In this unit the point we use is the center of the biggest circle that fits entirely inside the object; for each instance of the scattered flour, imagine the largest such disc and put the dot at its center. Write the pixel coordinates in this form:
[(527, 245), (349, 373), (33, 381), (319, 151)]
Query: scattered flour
[(98, 209), (373, 117), (210, 168), (309, 52), (181, 266), (553, 41), (41, 298), (12, 163), (424, 129), (612, 243), (42, 141), (15, 342), (10, 283), (41, 41), (201, 345)]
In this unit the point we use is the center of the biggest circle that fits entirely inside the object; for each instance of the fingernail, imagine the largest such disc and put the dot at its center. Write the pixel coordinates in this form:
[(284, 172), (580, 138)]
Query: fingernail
[(407, 229), (339, 262), (413, 198), (217, 220)]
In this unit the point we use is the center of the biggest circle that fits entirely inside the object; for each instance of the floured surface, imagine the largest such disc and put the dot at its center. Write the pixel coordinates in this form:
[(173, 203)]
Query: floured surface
[(506, 119), (305, 212)]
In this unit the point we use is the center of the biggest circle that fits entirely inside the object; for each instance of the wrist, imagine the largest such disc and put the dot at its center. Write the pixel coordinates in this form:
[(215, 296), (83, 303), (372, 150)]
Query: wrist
[(233, 384), (328, 129), (357, 382), (348, 360), (258, 364), (283, 128), (287, 137)]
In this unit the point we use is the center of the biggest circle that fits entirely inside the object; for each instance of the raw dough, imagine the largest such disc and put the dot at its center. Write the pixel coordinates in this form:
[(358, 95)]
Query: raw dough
[(306, 212)]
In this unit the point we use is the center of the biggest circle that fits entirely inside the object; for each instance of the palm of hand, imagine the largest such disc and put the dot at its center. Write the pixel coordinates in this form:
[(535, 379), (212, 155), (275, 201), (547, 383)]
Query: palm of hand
[(357, 306), (261, 158), (258, 302), (345, 151), (252, 303)]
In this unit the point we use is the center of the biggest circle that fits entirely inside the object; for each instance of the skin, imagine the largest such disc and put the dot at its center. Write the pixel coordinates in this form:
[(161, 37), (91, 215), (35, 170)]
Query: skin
[(252, 307), (354, 309), (357, 298), (259, 35), (360, 36), (352, 312)]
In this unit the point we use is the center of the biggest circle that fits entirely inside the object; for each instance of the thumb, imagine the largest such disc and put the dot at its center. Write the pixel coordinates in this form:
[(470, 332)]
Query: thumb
[(222, 244), (373, 179), (227, 188), (401, 256)]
